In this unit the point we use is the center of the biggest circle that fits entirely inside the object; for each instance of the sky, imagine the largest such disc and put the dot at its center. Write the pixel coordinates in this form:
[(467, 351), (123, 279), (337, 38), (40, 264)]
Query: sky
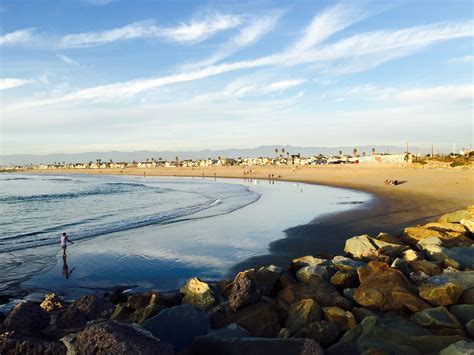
[(102, 75)]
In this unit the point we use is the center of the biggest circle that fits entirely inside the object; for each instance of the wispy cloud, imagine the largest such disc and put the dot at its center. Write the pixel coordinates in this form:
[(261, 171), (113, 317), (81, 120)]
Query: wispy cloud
[(463, 59), (66, 59), (283, 85), (17, 37), (192, 32), (9, 83)]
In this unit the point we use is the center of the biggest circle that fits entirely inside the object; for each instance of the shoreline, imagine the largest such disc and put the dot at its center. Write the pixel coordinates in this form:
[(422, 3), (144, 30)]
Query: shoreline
[(423, 195)]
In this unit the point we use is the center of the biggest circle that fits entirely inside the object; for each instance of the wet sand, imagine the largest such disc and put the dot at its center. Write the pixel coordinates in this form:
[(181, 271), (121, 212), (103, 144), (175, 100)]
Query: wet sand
[(424, 194)]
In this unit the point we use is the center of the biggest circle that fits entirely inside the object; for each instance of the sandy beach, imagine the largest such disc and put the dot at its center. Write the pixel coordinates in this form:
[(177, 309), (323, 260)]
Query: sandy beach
[(424, 194)]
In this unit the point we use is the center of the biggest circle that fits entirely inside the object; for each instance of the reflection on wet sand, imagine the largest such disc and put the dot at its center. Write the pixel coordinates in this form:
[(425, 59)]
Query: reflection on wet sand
[(66, 272)]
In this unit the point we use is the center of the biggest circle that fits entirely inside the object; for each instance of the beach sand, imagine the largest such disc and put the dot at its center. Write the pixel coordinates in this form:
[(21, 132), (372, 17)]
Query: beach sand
[(423, 195)]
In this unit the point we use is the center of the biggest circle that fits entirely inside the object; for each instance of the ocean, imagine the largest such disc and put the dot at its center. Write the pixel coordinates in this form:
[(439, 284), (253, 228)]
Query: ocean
[(145, 232)]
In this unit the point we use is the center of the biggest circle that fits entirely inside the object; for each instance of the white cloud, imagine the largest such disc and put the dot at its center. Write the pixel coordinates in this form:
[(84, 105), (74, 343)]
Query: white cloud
[(463, 59), (66, 59), (9, 83), (283, 85), (193, 32), (17, 37)]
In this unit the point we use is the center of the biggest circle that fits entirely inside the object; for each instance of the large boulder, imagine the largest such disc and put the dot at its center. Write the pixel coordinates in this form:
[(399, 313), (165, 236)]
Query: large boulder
[(391, 335), (463, 279), (142, 314), (433, 248), (461, 347), (324, 271), (345, 279), (425, 266), (467, 296), (445, 227), (259, 319), (441, 295), (14, 344), (211, 345), (250, 285), (315, 288), (197, 294), (84, 309), (302, 313), (464, 256), (386, 289), (121, 313), (308, 260), (179, 325), (413, 235), (437, 318), (468, 224), (345, 320), (52, 302), (323, 332), (109, 337), (26, 318), (364, 247), (454, 217), (463, 312)]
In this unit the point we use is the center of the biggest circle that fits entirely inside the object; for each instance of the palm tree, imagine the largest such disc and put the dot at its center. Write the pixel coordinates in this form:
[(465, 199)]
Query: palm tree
[(340, 153), (373, 151), (276, 152), (363, 154), (283, 150), (354, 152), (177, 160)]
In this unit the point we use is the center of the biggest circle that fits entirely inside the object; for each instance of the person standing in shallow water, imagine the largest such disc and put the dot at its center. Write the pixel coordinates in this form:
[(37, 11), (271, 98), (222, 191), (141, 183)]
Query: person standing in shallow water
[(64, 240)]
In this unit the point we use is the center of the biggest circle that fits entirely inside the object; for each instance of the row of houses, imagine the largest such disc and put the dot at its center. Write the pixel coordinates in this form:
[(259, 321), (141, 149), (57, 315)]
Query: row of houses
[(296, 159)]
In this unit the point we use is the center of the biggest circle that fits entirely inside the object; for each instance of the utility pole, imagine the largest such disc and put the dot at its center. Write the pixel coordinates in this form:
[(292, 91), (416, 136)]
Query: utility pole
[(406, 148), (432, 151)]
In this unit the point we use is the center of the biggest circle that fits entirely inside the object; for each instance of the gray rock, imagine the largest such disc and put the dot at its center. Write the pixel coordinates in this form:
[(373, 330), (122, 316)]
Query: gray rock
[(83, 310), (459, 348), (343, 263), (470, 328), (463, 312), (433, 248), (110, 337), (302, 313), (401, 265), (463, 255), (231, 331), (464, 279), (323, 332), (206, 345), (14, 343), (437, 318), (305, 273), (348, 293), (179, 325), (26, 318)]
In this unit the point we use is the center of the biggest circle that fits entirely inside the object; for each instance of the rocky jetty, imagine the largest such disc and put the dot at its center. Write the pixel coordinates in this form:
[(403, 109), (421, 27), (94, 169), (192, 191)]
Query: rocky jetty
[(406, 294)]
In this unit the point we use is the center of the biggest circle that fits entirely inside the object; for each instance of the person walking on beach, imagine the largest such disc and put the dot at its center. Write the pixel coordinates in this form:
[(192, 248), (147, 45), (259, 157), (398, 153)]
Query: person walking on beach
[(64, 240)]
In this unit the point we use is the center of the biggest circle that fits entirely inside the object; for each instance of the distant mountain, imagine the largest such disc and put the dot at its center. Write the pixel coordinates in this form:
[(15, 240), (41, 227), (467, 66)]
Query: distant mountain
[(141, 155)]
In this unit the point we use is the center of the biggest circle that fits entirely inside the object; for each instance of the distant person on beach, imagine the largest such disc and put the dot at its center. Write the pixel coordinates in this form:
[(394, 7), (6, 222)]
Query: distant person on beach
[(64, 240)]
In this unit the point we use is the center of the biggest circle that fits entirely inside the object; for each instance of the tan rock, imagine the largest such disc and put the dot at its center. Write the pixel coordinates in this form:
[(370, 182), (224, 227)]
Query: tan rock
[(197, 293), (411, 255), (259, 319), (413, 235), (307, 260), (345, 320), (301, 314), (468, 223), (386, 289), (441, 295), (52, 302), (345, 279), (454, 217), (426, 266), (445, 226), (389, 238)]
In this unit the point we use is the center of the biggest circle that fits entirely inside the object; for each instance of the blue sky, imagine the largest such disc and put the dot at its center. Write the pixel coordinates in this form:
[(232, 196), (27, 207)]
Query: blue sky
[(99, 75)]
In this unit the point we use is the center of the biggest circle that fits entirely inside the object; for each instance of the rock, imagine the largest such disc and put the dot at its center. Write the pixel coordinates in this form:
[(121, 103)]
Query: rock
[(419, 277), (361, 313), (462, 255), (464, 279), (13, 344), (138, 301), (343, 263), (425, 266), (441, 295), (349, 293), (345, 279), (345, 320), (26, 318), (410, 255), (206, 345), (437, 318), (259, 319), (250, 285), (445, 226), (220, 316), (463, 312), (363, 247), (285, 280), (470, 328), (142, 314), (454, 217), (323, 332), (433, 249), (386, 289), (197, 293), (308, 260), (461, 347), (392, 335), (451, 264), (52, 302), (179, 325), (121, 313), (84, 309), (467, 296), (413, 235), (230, 331), (118, 297), (317, 289), (401, 265), (284, 333), (302, 313), (305, 273), (109, 337), (385, 237), (167, 299), (468, 224)]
